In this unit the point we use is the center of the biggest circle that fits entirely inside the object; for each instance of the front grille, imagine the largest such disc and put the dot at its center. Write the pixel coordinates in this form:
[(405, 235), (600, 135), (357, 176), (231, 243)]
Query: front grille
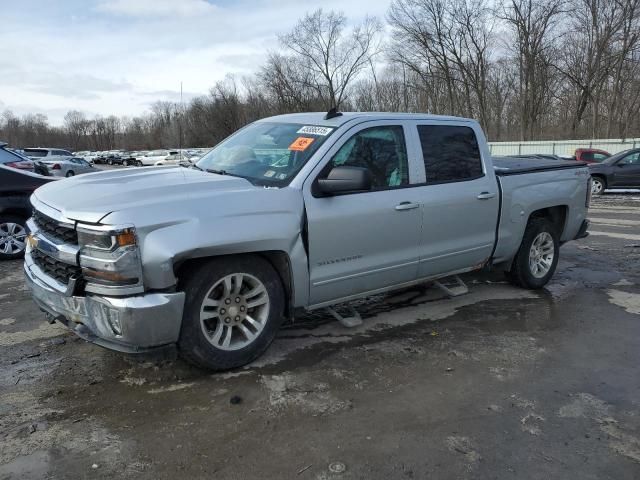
[(61, 271), (51, 228)]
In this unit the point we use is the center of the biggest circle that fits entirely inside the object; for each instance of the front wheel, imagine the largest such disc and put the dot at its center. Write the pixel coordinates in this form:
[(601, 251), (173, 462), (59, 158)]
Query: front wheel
[(233, 309), (125, 163), (597, 186), (537, 257), (13, 237)]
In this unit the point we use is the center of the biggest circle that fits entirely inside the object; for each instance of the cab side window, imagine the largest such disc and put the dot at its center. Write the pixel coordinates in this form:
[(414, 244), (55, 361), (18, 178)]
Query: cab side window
[(632, 159), (382, 150), (451, 153)]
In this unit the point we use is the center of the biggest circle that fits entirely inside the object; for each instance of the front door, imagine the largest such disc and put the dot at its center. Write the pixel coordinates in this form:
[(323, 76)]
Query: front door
[(362, 242), (626, 172)]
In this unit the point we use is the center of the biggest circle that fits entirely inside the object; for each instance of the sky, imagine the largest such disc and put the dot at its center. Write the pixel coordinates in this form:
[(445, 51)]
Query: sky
[(106, 57)]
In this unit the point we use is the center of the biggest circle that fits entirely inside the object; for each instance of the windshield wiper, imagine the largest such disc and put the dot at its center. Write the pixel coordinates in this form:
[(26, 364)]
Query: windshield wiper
[(196, 167), (219, 172)]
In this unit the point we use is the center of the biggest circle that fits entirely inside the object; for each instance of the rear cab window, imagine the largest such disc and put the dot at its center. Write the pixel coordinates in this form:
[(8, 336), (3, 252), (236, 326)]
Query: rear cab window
[(450, 153)]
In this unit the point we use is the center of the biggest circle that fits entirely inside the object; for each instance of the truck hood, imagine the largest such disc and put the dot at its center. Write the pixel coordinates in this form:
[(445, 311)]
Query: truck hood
[(91, 197)]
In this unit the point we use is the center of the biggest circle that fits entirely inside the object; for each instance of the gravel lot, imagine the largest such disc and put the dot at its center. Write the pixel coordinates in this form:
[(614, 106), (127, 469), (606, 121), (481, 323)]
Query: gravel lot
[(499, 383)]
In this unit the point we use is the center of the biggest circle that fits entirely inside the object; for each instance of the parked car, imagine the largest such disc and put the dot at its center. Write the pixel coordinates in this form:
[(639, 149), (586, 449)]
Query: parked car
[(87, 155), (591, 155), (174, 158), (68, 167), (621, 170), (293, 212), (45, 154), (153, 157), (10, 158), (15, 188), (130, 159)]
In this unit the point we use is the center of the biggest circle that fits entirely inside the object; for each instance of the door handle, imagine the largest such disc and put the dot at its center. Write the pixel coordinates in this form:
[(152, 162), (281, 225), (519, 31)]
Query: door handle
[(485, 196), (407, 206)]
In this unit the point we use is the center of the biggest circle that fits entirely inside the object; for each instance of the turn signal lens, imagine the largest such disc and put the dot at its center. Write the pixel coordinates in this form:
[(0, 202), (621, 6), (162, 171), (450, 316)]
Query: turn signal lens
[(126, 238), (113, 277)]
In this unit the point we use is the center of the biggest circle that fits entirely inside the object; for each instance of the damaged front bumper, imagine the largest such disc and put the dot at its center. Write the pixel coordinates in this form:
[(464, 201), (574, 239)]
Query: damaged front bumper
[(132, 324)]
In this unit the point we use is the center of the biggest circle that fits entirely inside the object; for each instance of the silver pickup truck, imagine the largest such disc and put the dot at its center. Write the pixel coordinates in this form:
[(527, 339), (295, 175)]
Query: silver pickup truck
[(294, 212)]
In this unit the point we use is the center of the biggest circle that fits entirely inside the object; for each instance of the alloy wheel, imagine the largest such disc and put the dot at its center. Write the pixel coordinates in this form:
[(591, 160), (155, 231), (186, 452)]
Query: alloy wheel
[(234, 311), (12, 238), (541, 254)]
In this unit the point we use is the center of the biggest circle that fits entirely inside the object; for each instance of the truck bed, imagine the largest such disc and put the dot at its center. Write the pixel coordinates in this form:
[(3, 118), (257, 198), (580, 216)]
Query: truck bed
[(504, 166)]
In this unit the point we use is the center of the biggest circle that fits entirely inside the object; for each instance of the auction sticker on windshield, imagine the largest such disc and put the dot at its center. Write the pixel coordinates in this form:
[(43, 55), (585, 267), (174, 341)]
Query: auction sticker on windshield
[(300, 144), (312, 130)]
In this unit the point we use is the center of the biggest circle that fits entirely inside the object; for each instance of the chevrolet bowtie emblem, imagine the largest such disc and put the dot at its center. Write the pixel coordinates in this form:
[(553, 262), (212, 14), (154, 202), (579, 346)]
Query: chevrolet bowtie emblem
[(32, 241)]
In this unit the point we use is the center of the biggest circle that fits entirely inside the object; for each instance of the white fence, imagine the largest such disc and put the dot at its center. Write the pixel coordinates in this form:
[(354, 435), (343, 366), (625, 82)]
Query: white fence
[(564, 147)]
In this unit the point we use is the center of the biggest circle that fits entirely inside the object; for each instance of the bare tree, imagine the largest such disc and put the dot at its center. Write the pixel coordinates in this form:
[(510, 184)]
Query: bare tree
[(77, 127), (321, 45), (532, 23)]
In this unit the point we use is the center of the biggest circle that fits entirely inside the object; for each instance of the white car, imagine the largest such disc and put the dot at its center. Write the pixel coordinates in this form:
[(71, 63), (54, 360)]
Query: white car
[(150, 158), (174, 158), (46, 154), (87, 155)]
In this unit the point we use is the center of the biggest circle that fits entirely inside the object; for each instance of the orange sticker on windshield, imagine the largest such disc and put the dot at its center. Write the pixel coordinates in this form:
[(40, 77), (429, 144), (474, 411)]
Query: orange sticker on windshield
[(300, 144)]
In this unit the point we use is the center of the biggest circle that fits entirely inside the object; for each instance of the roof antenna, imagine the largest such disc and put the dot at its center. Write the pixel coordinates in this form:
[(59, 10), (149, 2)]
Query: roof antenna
[(332, 113)]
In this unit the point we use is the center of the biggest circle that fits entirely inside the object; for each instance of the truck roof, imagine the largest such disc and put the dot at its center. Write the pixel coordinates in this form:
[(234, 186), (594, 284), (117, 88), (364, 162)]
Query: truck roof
[(318, 118)]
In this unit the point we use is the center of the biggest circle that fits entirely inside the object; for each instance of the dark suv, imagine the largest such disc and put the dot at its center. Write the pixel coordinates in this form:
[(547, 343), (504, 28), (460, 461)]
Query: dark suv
[(16, 186), (622, 170)]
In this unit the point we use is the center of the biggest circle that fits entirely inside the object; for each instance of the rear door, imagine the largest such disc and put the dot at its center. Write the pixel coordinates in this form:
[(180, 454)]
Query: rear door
[(460, 198), (367, 241)]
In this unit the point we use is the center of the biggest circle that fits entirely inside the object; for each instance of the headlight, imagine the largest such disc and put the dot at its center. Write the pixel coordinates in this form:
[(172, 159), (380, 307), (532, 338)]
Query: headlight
[(106, 240), (109, 258)]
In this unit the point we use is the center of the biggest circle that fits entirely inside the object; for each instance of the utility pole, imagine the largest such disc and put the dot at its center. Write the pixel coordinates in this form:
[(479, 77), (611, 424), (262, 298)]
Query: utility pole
[(180, 123)]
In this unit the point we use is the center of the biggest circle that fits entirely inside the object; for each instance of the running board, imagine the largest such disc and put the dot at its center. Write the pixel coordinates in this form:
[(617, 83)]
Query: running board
[(353, 321), (459, 288)]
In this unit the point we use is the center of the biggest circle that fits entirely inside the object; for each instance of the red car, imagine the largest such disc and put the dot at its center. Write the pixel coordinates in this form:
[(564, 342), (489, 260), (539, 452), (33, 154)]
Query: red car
[(591, 155)]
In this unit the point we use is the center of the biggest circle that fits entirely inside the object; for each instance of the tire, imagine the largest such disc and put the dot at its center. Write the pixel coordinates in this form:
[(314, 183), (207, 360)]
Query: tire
[(598, 185), (70, 173), (110, 162), (526, 272), (16, 227), (207, 343), (139, 164), (125, 163)]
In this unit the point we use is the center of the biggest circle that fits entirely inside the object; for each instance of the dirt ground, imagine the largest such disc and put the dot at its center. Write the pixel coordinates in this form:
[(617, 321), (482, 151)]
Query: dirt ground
[(500, 383)]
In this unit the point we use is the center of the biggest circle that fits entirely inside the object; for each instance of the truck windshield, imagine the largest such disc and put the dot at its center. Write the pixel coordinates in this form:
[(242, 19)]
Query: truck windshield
[(268, 154)]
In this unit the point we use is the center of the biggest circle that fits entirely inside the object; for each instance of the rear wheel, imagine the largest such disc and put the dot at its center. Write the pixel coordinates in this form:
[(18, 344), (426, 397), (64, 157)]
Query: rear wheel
[(13, 237), (597, 185), (233, 309), (125, 163), (70, 173), (537, 257)]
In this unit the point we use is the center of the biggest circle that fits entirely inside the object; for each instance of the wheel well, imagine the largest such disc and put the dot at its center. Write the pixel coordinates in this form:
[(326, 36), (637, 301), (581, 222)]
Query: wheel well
[(557, 215), (602, 178), (279, 261)]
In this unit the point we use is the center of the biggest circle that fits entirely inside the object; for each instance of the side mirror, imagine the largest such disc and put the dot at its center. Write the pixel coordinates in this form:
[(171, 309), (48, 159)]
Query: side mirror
[(344, 180)]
